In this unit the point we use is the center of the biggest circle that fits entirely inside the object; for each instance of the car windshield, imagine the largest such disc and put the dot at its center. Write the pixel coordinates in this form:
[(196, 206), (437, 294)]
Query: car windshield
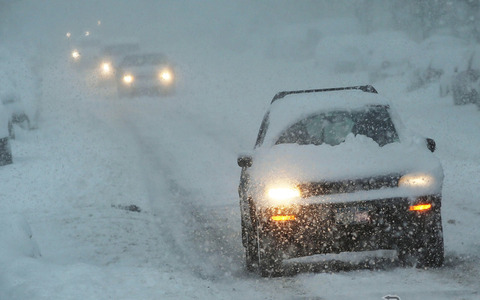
[(141, 60), (88, 42), (333, 127), (121, 49)]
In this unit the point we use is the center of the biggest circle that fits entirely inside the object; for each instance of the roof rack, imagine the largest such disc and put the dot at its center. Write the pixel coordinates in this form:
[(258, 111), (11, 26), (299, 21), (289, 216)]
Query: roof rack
[(364, 88)]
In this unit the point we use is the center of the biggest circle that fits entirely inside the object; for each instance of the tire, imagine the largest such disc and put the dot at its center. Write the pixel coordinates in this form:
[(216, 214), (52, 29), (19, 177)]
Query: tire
[(457, 98), (5, 152), (124, 93), (432, 253), (269, 258), (428, 250), (251, 250)]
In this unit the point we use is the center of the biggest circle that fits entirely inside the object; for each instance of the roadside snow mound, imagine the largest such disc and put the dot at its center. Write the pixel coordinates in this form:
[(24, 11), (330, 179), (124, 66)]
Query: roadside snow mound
[(19, 86), (16, 238)]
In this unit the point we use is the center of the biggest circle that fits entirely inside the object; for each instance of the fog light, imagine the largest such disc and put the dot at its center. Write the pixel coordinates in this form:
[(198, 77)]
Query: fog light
[(420, 207), (283, 218)]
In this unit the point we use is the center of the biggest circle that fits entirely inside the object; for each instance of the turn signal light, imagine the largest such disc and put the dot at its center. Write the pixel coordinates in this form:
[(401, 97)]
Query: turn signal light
[(420, 207), (283, 218)]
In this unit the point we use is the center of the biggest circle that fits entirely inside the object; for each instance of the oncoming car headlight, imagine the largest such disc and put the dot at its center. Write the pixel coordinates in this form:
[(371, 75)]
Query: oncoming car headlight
[(166, 76), (75, 54), (128, 78), (283, 193), (416, 180), (106, 68)]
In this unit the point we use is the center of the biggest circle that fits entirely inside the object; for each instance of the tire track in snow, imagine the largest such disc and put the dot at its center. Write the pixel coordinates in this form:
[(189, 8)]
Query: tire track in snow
[(192, 231)]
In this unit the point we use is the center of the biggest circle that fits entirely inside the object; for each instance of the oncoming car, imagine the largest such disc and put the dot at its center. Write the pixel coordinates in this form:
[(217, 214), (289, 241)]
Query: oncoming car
[(334, 170), (85, 52), (111, 55), (149, 74)]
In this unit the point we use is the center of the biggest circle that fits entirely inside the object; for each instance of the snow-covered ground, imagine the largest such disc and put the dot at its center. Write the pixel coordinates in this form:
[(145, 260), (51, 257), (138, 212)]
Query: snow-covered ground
[(137, 198)]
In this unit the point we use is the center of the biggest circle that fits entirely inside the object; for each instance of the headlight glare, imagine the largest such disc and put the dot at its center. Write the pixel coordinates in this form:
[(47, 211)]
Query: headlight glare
[(75, 54), (416, 180), (166, 76), (106, 68), (283, 193), (128, 78)]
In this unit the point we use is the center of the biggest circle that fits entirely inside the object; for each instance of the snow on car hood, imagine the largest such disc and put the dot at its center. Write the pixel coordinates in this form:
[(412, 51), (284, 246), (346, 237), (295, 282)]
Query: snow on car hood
[(357, 158)]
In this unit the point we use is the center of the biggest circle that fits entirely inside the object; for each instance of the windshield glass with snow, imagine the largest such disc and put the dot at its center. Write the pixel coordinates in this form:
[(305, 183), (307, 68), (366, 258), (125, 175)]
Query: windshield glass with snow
[(332, 128)]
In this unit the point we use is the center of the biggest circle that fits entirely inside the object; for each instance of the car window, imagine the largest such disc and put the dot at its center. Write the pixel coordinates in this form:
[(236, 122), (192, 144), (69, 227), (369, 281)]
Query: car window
[(121, 49), (141, 60), (332, 128)]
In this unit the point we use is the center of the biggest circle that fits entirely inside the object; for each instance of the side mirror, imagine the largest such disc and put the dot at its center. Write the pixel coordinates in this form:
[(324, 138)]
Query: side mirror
[(244, 161), (431, 145)]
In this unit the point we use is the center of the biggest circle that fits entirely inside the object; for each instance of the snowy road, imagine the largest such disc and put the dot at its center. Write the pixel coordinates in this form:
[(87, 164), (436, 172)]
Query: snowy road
[(165, 157)]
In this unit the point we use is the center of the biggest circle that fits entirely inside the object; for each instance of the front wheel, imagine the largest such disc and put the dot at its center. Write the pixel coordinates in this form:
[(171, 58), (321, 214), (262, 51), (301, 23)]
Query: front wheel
[(269, 257), (251, 250), (5, 152), (123, 92), (432, 253), (427, 251)]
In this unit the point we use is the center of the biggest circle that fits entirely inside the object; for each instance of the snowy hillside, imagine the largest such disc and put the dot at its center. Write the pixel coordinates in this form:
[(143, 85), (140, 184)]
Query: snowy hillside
[(137, 198)]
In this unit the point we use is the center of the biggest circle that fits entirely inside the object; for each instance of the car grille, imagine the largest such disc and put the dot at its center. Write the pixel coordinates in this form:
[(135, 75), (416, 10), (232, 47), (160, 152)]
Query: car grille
[(312, 189)]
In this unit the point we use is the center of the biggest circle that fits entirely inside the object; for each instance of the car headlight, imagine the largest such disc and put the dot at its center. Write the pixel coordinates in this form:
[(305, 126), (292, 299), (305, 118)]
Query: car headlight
[(128, 78), (166, 76), (416, 180), (283, 193), (75, 54), (106, 68)]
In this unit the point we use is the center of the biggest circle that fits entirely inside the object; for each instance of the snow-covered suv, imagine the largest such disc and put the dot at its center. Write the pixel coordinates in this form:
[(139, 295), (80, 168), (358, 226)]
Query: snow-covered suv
[(334, 170)]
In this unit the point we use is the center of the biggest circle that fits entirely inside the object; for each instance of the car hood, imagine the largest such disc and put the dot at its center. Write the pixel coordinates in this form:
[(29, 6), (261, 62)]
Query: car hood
[(357, 158)]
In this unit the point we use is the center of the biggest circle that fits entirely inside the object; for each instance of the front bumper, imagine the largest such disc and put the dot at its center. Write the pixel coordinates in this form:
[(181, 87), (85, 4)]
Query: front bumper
[(317, 229), (145, 88)]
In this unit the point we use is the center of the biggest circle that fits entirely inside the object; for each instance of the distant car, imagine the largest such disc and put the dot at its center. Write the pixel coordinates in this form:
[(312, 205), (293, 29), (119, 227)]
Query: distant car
[(148, 74), (85, 52), (5, 149), (111, 56), (465, 87), (334, 170)]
